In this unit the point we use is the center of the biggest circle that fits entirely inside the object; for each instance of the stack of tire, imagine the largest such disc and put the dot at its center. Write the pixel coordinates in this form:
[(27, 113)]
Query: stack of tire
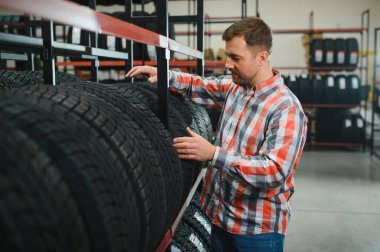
[(336, 125), (194, 230), (90, 167), (343, 54), (327, 89)]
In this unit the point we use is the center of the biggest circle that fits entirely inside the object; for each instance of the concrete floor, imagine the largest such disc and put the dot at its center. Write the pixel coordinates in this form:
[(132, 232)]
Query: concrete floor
[(336, 205)]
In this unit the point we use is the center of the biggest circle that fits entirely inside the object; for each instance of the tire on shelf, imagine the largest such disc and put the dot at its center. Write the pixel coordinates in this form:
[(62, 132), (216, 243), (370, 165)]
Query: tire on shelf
[(121, 138), (358, 129), (154, 129), (329, 89), (329, 52), (293, 84), (305, 89), (200, 223), (186, 239), (11, 79), (342, 90), (316, 55), (354, 87), (60, 77), (318, 89), (340, 53), (176, 127), (352, 54), (37, 209), (347, 128)]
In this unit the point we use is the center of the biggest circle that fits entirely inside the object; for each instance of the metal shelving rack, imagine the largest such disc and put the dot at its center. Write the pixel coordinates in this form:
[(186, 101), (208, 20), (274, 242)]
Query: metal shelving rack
[(88, 19), (363, 30), (375, 147)]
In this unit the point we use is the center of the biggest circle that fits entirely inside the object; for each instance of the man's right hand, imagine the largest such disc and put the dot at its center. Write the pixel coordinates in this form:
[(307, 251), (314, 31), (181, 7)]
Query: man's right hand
[(150, 71)]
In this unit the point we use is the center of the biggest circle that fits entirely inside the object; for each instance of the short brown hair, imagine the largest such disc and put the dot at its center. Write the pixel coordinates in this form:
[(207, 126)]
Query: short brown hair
[(255, 31)]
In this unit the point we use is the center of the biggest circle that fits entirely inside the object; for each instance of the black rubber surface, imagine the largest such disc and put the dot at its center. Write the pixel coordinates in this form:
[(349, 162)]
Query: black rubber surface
[(60, 77), (11, 79), (186, 239), (155, 131), (122, 140), (176, 127), (199, 223)]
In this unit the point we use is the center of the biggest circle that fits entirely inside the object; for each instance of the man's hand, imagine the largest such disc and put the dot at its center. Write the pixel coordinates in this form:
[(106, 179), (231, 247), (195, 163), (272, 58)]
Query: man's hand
[(194, 147), (150, 71)]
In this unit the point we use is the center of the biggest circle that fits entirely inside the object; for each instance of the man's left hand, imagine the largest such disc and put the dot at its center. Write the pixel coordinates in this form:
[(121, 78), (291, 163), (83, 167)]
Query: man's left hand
[(194, 147)]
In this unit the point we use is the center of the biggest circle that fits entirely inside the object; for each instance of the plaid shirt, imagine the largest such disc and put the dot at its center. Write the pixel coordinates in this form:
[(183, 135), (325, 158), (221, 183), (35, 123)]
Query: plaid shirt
[(259, 140)]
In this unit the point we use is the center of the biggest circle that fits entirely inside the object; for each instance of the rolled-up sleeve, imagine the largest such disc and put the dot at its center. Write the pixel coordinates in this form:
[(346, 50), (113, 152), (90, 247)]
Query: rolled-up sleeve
[(211, 91)]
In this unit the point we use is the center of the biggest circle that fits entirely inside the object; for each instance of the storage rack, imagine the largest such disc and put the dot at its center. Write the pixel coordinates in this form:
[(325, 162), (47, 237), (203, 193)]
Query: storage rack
[(363, 31), (375, 147), (88, 19), (364, 74)]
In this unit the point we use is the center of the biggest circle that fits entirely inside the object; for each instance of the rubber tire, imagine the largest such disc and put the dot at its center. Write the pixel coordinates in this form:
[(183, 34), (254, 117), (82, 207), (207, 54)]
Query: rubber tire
[(154, 130), (37, 209), (11, 79), (122, 139), (185, 239), (199, 223), (176, 127), (60, 77)]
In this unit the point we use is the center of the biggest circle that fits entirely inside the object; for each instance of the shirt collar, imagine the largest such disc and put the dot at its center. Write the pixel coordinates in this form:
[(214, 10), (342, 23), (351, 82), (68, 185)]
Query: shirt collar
[(269, 82)]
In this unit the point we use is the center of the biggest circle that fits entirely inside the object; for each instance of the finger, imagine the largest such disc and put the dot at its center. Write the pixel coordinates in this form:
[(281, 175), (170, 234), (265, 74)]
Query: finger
[(181, 145), (132, 72), (190, 132), (187, 156), (152, 79), (182, 140)]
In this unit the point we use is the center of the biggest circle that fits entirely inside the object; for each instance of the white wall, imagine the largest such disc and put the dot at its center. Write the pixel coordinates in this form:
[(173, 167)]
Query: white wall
[(279, 14), (292, 14)]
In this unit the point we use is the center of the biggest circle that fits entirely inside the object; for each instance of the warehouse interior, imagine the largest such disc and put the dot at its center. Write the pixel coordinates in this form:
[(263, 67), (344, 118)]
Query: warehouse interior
[(61, 81)]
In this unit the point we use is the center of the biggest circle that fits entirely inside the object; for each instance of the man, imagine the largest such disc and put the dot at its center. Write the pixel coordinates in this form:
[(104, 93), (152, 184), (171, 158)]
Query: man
[(258, 145)]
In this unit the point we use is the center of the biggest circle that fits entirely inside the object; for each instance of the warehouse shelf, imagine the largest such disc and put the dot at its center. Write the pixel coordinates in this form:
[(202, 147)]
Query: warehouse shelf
[(92, 21)]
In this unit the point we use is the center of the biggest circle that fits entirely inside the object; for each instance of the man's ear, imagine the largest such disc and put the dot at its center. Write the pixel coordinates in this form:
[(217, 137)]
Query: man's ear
[(263, 57)]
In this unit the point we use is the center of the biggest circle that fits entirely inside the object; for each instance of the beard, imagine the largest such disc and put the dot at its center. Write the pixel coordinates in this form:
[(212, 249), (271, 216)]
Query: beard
[(240, 80)]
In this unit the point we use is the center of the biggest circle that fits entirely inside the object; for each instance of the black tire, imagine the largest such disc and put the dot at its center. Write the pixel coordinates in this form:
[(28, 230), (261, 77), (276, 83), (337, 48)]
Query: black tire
[(186, 239), (154, 130), (175, 100), (10, 79), (35, 147), (202, 119), (199, 223), (60, 77), (176, 127), (122, 138), (37, 210)]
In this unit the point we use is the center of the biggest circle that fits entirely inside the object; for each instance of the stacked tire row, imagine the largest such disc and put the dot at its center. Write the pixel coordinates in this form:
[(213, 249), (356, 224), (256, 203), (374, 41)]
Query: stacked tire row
[(328, 89), (90, 167), (339, 125), (340, 53), (194, 230)]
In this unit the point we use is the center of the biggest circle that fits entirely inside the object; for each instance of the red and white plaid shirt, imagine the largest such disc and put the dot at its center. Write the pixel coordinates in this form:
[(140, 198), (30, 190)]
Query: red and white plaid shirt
[(259, 140)]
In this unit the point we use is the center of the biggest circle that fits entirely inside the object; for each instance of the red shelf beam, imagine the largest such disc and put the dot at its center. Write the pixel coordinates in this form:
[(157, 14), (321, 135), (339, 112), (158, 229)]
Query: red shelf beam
[(70, 13)]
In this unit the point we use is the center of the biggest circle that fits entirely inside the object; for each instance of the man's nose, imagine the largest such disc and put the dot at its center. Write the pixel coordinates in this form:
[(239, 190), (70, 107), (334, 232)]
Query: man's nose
[(229, 64)]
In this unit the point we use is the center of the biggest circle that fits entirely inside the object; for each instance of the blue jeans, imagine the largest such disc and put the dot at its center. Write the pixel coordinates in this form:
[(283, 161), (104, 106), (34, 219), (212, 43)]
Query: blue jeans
[(222, 241)]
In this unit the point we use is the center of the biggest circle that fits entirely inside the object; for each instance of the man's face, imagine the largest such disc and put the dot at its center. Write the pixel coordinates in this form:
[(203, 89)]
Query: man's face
[(242, 61)]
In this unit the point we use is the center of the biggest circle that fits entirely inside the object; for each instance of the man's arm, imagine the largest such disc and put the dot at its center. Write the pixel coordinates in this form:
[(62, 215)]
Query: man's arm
[(210, 91), (275, 160)]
